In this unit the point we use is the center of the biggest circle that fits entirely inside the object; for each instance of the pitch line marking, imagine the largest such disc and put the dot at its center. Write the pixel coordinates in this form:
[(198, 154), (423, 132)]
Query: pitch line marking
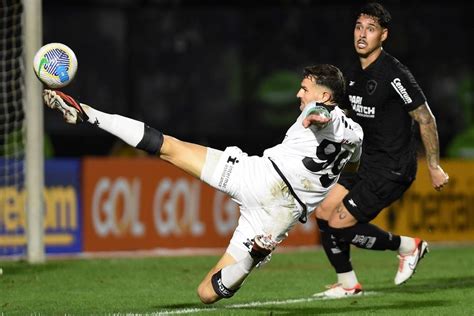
[(250, 304)]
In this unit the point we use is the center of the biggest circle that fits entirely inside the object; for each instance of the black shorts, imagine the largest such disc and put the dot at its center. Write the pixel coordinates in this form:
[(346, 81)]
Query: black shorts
[(369, 194)]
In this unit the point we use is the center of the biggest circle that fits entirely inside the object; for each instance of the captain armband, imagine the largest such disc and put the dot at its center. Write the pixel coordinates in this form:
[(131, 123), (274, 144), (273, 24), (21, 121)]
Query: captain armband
[(152, 141)]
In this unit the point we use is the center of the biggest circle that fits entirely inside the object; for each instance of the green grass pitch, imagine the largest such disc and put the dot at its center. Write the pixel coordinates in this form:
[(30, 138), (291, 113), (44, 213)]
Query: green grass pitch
[(443, 285)]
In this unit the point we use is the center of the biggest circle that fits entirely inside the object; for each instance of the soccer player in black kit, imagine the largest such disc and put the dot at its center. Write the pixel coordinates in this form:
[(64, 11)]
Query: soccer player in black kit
[(386, 101)]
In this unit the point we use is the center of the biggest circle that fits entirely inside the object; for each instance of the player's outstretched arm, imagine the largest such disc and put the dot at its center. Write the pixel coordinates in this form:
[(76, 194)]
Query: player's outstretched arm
[(186, 156)]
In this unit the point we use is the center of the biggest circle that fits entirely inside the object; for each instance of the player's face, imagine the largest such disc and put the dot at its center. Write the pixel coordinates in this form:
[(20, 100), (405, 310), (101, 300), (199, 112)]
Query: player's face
[(368, 35), (310, 91)]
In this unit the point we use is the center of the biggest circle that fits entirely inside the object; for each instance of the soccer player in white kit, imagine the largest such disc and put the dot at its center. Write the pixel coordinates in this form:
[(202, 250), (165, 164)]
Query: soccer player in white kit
[(274, 191)]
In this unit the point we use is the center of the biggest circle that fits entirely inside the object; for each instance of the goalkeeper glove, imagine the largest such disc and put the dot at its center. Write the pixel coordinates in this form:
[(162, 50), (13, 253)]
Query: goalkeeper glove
[(72, 110)]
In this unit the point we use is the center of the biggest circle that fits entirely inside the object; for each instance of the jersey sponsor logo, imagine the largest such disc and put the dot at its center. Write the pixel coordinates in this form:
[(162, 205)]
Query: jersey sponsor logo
[(400, 89), (361, 110), (371, 86), (231, 161)]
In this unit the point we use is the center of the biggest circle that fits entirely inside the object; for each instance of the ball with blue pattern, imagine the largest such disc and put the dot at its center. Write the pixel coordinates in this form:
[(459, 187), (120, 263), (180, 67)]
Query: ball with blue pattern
[(55, 64)]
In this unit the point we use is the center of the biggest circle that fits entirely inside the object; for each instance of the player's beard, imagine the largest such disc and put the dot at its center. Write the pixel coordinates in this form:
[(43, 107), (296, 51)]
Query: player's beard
[(364, 53)]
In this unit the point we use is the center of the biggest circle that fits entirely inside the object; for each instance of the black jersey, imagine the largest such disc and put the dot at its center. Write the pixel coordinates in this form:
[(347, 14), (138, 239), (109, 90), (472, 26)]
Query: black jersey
[(381, 97)]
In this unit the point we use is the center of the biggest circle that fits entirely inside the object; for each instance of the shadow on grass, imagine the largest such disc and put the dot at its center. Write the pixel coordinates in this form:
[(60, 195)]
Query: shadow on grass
[(413, 306), (421, 287), (288, 309), (428, 286), (183, 305)]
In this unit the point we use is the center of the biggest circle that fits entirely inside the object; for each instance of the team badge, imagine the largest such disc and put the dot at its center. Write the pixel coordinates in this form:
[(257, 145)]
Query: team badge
[(371, 86)]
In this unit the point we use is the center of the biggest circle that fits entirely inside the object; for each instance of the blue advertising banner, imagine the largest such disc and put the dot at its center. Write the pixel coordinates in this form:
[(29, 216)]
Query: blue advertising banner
[(62, 207)]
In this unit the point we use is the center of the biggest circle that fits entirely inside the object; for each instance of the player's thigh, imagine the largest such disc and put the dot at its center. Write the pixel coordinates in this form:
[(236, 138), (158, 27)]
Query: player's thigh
[(224, 171), (331, 202), (371, 195), (341, 217)]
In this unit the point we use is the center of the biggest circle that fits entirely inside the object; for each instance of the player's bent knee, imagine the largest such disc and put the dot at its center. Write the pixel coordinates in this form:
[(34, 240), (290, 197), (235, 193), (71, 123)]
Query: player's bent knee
[(206, 294), (205, 299)]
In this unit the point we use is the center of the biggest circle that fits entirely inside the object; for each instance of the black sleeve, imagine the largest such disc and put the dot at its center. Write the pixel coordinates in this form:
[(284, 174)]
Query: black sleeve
[(407, 89)]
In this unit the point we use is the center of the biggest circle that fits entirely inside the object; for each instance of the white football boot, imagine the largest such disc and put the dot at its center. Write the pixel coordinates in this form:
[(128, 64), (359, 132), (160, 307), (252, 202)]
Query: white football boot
[(337, 291), (408, 263)]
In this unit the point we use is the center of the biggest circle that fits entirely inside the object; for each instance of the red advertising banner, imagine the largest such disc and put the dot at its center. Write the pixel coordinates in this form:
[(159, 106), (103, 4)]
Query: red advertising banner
[(145, 203)]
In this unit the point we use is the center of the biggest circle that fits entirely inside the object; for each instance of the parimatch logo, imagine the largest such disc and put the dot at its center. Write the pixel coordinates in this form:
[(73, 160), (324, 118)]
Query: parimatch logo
[(364, 111)]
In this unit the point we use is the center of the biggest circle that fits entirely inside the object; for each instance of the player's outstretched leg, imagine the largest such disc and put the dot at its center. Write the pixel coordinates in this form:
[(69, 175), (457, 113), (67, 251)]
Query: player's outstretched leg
[(186, 156)]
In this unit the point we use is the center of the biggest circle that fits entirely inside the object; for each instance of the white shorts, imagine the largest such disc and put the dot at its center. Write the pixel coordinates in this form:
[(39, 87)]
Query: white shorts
[(266, 205)]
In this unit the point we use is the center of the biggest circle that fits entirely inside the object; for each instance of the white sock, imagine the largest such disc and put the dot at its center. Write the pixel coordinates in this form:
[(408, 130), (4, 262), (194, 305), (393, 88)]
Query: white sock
[(127, 129), (234, 275), (347, 279), (407, 245)]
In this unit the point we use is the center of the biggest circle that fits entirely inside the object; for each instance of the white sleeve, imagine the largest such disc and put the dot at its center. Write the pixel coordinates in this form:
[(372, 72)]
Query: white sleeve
[(356, 136), (356, 154)]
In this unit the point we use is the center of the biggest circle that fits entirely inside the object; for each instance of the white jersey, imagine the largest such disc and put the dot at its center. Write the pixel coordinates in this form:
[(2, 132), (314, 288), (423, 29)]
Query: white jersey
[(312, 159)]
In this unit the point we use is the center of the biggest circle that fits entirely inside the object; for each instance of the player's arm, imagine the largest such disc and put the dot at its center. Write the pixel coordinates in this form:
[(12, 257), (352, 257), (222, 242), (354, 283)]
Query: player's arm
[(354, 133), (429, 136), (317, 115)]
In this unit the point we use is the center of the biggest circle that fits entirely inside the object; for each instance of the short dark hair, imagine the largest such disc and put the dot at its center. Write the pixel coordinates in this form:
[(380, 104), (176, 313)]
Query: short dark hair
[(329, 76), (378, 11)]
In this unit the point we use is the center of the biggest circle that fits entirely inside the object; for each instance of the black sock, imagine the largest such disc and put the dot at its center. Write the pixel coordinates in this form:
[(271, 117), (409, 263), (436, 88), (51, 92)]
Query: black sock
[(337, 252), (367, 236)]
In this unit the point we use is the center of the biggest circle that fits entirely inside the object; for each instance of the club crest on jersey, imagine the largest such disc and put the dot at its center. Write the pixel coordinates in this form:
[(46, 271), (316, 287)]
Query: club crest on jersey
[(371, 86)]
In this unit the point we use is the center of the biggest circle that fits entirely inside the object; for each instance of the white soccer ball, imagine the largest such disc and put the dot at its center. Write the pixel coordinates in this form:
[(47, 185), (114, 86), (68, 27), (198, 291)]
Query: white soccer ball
[(55, 65)]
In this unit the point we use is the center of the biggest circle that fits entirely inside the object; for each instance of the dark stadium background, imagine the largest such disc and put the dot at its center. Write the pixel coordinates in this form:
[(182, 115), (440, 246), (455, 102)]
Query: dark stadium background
[(226, 73)]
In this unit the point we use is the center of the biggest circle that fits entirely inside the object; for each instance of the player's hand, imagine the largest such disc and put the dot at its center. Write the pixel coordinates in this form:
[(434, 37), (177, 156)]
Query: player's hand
[(439, 178), (315, 119), (72, 111)]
